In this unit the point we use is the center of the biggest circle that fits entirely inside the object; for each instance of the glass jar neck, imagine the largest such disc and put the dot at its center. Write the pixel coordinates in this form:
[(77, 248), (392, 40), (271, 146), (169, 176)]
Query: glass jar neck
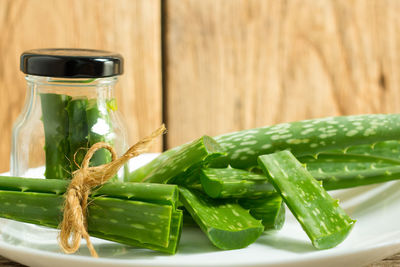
[(77, 87)]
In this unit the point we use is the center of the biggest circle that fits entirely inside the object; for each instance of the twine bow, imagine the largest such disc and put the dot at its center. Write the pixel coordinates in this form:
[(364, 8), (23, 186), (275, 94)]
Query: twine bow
[(74, 224)]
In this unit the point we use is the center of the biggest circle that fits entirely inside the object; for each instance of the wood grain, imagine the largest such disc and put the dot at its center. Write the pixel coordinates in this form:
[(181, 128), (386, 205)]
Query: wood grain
[(241, 64), (130, 27)]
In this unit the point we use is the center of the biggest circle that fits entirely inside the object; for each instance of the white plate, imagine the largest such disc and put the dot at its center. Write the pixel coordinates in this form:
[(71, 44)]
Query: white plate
[(375, 236)]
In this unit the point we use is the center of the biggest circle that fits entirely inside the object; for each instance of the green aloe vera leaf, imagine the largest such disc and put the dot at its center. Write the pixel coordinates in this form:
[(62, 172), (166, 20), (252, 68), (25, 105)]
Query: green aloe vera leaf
[(191, 177), (254, 191), (187, 218), (78, 131), (321, 217), (140, 174), (100, 130), (182, 163), (175, 234), (234, 183), (152, 193), (386, 149), (332, 162), (140, 221), (151, 222), (331, 178), (55, 124), (308, 137), (269, 209), (349, 179), (227, 225)]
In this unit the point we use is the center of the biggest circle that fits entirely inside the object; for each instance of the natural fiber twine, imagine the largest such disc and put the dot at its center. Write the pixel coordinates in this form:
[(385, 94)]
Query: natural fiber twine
[(74, 224)]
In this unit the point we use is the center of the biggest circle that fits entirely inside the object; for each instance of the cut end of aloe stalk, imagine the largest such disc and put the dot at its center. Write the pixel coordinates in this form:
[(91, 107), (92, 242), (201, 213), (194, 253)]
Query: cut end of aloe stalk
[(334, 239), (211, 145), (210, 186), (226, 224), (235, 239), (269, 209)]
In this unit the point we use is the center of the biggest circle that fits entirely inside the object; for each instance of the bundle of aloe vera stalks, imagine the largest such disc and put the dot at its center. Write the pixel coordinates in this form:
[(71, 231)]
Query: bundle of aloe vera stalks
[(234, 186)]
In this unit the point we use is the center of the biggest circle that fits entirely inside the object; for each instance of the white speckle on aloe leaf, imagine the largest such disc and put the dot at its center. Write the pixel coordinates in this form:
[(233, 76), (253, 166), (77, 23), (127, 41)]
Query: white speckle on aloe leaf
[(313, 145), (266, 146), (275, 137), (297, 141), (369, 132), (235, 156), (308, 126), (246, 143), (285, 136), (351, 133), (307, 131)]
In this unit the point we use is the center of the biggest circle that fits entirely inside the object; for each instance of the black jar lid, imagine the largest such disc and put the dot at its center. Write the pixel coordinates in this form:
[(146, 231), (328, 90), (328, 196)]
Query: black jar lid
[(71, 63)]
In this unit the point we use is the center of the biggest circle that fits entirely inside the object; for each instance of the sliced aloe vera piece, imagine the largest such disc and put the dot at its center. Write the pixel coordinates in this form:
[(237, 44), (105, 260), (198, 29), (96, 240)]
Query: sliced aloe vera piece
[(226, 224), (269, 209), (55, 124), (183, 163), (78, 131), (234, 183), (321, 217)]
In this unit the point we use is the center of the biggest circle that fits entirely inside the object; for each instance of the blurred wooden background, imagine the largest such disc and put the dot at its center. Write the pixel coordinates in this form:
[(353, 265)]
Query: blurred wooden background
[(213, 66)]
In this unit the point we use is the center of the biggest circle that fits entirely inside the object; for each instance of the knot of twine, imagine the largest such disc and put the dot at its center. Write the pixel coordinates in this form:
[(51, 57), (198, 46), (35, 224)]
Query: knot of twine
[(74, 224)]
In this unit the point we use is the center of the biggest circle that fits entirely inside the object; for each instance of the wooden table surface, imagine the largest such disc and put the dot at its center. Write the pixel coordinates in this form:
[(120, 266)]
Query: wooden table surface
[(388, 262)]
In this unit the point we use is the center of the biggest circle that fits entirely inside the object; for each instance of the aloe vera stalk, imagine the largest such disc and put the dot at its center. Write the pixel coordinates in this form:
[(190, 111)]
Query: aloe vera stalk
[(175, 234), (255, 192), (361, 157), (389, 149), (308, 137), (335, 162), (55, 124), (114, 211), (349, 179), (100, 127), (182, 164), (269, 209), (321, 217), (152, 193), (234, 183), (226, 224), (78, 131), (331, 174)]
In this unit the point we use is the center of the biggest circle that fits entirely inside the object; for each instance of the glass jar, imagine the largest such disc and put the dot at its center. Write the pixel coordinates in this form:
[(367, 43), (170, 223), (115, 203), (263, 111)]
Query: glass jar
[(70, 106)]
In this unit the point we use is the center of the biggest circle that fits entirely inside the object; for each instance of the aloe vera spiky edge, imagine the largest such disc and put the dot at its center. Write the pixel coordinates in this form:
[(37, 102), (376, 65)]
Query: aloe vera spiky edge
[(321, 217)]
